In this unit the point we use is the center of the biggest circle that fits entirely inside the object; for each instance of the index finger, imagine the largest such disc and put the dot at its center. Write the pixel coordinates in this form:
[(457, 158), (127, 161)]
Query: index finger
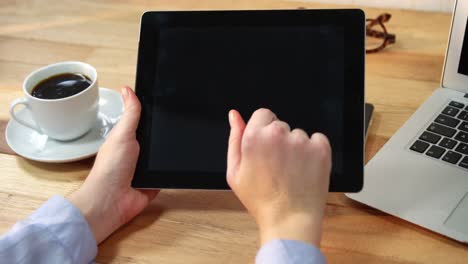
[(261, 118)]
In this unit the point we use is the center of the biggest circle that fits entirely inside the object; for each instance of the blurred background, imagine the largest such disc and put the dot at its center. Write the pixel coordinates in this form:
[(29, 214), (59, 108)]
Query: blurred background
[(425, 5)]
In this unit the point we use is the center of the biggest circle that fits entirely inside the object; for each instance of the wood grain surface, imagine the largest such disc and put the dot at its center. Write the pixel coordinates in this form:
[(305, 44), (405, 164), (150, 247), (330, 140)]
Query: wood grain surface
[(4, 148), (212, 226)]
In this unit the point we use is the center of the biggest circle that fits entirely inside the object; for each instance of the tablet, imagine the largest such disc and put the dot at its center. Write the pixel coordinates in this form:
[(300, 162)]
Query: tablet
[(307, 66)]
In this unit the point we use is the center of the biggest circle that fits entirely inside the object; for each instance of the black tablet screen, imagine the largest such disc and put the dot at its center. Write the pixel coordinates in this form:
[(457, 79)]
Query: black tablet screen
[(202, 72)]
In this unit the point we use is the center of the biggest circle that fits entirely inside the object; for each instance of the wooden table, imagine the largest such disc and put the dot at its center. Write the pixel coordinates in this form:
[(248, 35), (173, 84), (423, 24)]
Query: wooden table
[(202, 226)]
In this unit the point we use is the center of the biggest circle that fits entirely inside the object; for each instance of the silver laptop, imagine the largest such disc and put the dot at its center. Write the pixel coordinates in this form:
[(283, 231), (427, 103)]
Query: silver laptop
[(421, 174)]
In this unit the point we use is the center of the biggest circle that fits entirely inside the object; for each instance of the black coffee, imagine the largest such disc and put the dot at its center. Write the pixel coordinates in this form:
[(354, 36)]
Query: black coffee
[(61, 86)]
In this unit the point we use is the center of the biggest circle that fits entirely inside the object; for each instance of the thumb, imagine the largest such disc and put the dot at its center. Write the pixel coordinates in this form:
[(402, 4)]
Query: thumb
[(235, 140), (132, 110)]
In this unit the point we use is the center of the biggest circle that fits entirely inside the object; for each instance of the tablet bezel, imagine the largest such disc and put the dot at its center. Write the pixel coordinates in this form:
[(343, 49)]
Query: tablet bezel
[(353, 22)]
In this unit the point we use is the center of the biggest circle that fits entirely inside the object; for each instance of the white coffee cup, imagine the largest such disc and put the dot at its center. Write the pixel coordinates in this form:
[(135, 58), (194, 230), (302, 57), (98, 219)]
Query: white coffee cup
[(65, 118)]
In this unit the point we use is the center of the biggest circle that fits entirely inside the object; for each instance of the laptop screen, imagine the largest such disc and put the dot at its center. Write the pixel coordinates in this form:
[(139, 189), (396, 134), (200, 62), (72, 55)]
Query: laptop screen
[(455, 74), (463, 64)]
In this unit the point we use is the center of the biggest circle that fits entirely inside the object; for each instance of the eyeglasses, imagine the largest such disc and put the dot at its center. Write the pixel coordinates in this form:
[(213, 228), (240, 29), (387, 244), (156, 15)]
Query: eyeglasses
[(377, 37)]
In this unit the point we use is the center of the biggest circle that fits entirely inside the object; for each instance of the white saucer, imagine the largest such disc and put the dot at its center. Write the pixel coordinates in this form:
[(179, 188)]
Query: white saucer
[(35, 146)]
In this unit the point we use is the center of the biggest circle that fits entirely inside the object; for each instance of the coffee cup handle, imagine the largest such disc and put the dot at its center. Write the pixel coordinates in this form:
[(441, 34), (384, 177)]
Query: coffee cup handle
[(24, 102)]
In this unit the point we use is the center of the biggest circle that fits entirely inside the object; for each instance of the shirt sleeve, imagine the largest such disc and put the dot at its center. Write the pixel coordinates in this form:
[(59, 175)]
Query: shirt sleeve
[(56, 233), (290, 252)]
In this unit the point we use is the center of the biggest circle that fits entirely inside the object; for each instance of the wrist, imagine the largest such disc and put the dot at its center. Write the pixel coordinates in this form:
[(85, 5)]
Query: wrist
[(300, 227), (93, 210)]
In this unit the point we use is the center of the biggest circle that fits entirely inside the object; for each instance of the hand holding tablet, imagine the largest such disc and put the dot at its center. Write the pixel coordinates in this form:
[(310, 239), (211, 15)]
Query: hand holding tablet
[(281, 176)]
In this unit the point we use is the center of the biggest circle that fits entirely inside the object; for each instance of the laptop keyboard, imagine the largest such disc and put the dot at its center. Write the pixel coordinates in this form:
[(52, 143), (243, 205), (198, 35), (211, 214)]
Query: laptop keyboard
[(447, 137)]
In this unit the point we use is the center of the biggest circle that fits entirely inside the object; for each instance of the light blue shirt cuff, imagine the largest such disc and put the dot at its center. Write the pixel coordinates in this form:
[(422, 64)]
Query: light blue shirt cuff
[(62, 220), (289, 251)]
